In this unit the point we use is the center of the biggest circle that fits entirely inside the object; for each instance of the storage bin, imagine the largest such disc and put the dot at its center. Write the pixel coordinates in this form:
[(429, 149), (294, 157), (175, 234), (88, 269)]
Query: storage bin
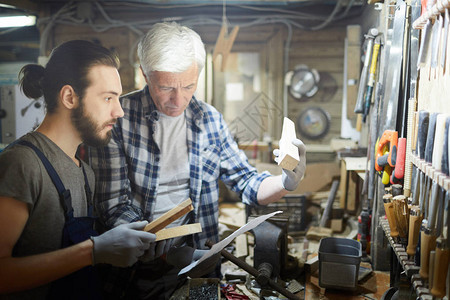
[(339, 260)]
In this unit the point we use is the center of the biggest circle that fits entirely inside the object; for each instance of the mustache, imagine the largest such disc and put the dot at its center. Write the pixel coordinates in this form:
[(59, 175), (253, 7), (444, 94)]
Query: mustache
[(110, 122)]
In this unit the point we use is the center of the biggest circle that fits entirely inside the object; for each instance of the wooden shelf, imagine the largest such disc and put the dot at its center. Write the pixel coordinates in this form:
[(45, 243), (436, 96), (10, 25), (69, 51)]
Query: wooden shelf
[(442, 179)]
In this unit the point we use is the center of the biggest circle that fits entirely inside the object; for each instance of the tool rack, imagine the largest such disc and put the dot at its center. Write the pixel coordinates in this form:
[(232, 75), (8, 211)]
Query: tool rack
[(408, 264), (441, 178)]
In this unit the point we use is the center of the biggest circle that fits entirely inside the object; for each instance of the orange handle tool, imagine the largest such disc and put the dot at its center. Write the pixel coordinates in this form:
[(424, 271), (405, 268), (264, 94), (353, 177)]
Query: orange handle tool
[(389, 137)]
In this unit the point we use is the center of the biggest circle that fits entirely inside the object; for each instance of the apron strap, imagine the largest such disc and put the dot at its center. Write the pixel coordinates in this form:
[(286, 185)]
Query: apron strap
[(88, 193), (64, 194)]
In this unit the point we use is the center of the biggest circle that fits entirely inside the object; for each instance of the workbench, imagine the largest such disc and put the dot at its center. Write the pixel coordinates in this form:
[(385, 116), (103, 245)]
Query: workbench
[(352, 174)]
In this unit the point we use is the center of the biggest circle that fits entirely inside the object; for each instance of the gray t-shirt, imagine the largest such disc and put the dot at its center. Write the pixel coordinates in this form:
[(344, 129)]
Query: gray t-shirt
[(170, 136), (24, 178)]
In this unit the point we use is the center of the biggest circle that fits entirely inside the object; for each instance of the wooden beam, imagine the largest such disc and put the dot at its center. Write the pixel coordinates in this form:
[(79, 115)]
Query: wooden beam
[(170, 216), (177, 231), (289, 157), (224, 44)]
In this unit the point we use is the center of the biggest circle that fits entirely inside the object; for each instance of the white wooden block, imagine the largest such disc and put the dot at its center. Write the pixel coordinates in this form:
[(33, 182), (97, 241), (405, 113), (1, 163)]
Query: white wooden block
[(289, 157)]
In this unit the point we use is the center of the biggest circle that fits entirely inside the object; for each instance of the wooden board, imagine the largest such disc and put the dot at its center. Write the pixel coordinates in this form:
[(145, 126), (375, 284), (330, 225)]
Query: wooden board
[(177, 231), (170, 216), (289, 157)]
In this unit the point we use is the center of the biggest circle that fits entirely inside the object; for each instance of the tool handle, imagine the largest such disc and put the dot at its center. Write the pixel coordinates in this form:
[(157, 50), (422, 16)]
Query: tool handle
[(424, 121), (367, 101), (371, 81), (393, 150), (430, 138), (427, 243), (401, 215), (433, 205), (413, 234), (400, 160), (445, 154), (389, 137), (378, 154), (383, 160), (386, 177), (431, 267), (389, 209), (359, 106), (441, 261), (438, 145), (408, 176)]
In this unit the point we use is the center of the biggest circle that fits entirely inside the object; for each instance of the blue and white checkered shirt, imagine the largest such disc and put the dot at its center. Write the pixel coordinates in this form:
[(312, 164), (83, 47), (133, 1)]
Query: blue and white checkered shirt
[(128, 168)]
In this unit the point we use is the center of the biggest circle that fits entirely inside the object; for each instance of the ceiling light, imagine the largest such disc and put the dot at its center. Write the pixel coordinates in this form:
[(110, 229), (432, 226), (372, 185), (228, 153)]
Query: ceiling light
[(17, 21)]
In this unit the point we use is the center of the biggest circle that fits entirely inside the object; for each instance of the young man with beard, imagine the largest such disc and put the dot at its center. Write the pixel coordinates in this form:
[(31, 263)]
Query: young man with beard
[(48, 244), (170, 146)]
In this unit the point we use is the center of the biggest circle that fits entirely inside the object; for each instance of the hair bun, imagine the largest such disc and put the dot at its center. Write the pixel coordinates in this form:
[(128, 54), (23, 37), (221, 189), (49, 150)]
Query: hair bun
[(30, 78)]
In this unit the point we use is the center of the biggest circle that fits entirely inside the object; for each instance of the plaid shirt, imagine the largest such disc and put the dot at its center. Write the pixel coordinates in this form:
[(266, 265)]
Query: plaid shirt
[(127, 170)]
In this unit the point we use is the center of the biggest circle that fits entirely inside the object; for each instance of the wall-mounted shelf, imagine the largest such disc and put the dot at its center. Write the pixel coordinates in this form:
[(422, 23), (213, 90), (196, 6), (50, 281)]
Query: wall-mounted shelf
[(442, 179)]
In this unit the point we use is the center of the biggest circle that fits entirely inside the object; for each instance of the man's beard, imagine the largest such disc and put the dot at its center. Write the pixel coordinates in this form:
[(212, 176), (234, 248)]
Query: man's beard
[(89, 131)]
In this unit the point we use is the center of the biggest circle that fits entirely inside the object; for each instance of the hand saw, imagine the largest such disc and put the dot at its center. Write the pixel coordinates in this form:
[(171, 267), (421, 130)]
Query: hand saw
[(392, 80)]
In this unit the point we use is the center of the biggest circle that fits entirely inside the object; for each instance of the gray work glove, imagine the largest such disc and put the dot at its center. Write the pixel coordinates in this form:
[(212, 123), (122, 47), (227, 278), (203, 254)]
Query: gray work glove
[(156, 250), (180, 257), (291, 179), (122, 245)]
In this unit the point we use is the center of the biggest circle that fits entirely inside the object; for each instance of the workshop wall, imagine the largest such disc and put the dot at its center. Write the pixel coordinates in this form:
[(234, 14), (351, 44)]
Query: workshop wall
[(324, 51), (121, 40), (320, 50)]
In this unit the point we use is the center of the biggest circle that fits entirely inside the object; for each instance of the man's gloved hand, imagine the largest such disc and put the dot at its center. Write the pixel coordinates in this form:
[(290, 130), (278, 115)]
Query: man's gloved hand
[(122, 245), (291, 179), (180, 257), (156, 249)]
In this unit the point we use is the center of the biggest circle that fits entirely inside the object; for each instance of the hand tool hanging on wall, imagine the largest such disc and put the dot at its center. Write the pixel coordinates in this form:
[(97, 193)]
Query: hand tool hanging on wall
[(393, 77), (438, 153), (419, 195), (446, 155), (442, 250), (399, 171), (371, 81), (401, 215), (440, 163), (428, 234), (389, 209), (412, 102), (371, 149), (428, 159), (435, 44), (370, 36), (381, 164), (383, 159), (445, 36), (424, 120), (388, 119), (426, 32), (365, 218), (415, 220)]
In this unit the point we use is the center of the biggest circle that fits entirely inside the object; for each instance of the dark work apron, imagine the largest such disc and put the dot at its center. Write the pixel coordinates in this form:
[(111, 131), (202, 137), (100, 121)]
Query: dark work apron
[(82, 284)]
